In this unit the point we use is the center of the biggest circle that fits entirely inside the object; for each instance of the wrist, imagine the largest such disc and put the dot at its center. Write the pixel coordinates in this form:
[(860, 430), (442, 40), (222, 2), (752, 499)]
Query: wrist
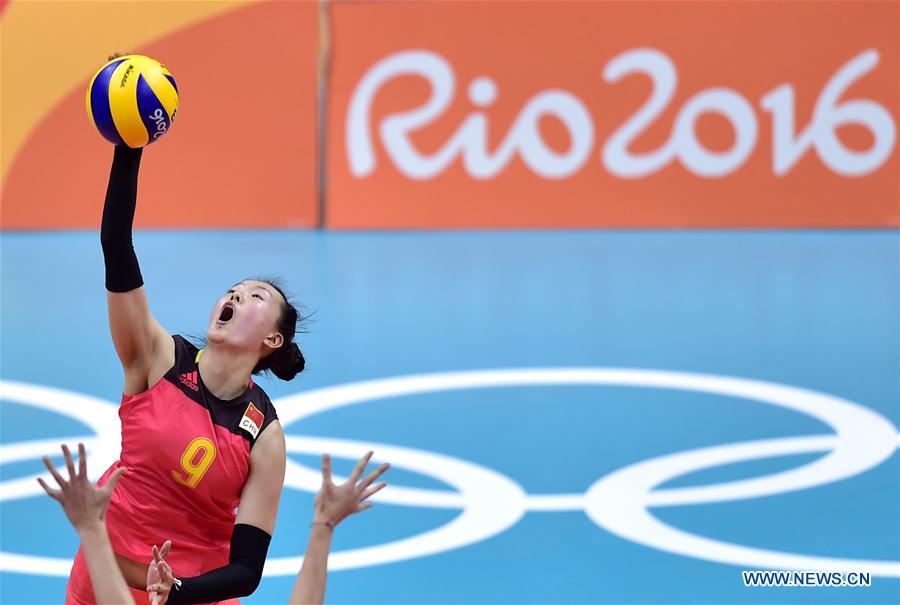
[(89, 529), (318, 522), (322, 516)]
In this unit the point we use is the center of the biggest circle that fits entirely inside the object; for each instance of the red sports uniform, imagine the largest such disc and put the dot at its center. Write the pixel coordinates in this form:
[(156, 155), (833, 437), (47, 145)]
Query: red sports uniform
[(188, 456)]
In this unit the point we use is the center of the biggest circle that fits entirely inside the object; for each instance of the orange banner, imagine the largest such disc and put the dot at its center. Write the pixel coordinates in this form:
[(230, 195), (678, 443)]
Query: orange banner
[(613, 114), (242, 152)]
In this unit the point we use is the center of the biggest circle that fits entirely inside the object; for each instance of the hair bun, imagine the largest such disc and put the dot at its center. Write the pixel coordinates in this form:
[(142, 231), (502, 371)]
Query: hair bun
[(288, 363)]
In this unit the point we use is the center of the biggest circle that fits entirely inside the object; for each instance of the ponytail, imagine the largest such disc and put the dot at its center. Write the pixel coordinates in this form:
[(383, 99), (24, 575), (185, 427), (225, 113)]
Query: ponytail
[(285, 362)]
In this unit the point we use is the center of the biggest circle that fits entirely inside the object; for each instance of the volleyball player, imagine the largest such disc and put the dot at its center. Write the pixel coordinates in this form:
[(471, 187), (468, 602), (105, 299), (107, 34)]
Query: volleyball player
[(199, 437)]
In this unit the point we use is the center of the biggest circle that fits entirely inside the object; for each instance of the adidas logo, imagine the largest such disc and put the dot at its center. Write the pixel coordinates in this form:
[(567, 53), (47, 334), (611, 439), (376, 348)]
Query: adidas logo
[(189, 380)]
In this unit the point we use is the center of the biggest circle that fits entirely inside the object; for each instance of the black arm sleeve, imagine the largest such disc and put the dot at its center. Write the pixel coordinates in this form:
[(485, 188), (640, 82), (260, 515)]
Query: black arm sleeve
[(122, 270), (249, 546)]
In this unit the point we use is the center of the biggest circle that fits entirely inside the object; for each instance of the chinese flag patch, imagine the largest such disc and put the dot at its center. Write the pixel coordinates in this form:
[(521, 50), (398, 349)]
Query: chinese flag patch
[(252, 420)]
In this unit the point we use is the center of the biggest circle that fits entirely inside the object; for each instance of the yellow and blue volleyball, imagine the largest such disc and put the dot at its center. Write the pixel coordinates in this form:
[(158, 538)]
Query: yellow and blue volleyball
[(132, 100)]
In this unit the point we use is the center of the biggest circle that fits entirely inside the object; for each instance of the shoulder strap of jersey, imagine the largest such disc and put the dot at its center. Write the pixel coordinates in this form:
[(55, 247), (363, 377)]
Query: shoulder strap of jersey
[(184, 372)]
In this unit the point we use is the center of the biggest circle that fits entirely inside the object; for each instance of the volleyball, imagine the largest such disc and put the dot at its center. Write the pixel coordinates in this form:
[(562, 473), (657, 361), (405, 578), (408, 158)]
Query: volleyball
[(132, 100)]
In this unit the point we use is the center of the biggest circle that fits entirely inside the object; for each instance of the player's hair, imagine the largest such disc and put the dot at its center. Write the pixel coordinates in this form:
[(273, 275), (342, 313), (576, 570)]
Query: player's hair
[(286, 361)]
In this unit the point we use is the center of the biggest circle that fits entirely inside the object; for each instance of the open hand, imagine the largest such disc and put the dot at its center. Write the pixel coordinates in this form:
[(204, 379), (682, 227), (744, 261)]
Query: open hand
[(84, 503), (334, 503)]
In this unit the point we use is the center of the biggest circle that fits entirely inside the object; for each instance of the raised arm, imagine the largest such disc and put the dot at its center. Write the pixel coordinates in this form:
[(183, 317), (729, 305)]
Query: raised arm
[(144, 347), (85, 505), (332, 505)]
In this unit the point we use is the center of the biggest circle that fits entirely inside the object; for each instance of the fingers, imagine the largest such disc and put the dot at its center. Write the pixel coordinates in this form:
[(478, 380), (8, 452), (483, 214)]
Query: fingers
[(326, 469), (62, 482), (360, 467), (374, 475), (159, 554), (114, 478), (363, 506), (53, 493), (82, 462), (372, 490), (69, 463), (165, 572)]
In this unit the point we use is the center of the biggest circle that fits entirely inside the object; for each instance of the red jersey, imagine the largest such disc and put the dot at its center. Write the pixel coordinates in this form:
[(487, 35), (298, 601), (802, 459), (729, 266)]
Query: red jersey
[(188, 457)]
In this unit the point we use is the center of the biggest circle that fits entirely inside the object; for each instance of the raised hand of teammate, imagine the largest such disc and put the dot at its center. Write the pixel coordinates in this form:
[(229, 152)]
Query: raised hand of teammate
[(84, 504), (159, 575), (334, 503)]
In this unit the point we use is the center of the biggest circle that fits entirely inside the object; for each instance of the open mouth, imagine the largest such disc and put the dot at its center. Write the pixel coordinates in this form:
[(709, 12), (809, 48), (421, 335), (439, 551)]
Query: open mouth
[(227, 313)]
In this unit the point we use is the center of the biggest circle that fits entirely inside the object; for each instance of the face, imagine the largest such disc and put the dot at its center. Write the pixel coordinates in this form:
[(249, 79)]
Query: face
[(246, 317)]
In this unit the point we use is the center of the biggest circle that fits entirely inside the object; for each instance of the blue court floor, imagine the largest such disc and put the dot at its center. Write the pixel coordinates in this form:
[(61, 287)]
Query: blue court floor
[(573, 417)]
